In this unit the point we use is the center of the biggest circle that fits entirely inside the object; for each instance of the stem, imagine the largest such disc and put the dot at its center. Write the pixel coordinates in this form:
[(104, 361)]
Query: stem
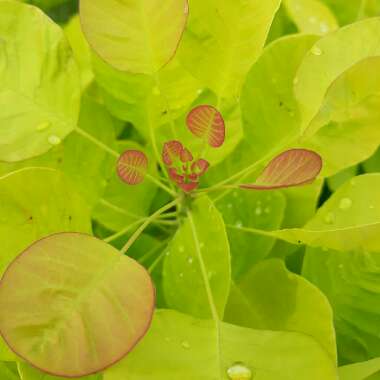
[(156, 262), (123, 231), (95, 141), (362, 8), (146, 223), (251, 230), (116, 154)]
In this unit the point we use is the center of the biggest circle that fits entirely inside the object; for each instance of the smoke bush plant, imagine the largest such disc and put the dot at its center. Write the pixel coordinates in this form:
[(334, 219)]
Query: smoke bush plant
[(179, 190)]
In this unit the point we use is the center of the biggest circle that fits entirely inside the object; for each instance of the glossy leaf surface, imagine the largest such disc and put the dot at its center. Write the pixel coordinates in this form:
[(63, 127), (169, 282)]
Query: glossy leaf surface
[(206, 352), (40, 87), (138, 37)]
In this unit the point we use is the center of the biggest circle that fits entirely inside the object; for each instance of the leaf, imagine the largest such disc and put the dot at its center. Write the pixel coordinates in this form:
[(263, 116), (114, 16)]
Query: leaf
[(34, 203), (294, 167), (6, 373), (337, 180), (207, 123), (84, 163), (138, 37), (81, 50), (345, 131), (349, 12), (263, 210), (350, 281), (269, 297), (132, 166), (196, 274), (122, 205), (147, 101), (328, 59), (232, 118), (360, 371), (311, 16), (349, 220), (224, 39), (40, 90), (65, 278), (27, 372), (171, 152), (181, 347)]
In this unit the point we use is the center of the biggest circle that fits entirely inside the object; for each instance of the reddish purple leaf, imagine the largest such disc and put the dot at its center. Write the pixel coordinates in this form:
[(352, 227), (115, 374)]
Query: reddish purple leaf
[(200, 167), (187, 187), (177, 178), (172, 151), (294, 167), (186, 156), (207, 122), (132, 166)]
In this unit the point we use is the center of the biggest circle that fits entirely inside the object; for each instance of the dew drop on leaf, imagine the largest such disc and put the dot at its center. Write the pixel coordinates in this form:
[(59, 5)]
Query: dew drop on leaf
[(182, 249), (156, 91), (54, 140), (239, 372), (43, 126), (267, 210), (324, 27), (258, 211), (345, 204), (185, 344), (295, 81), (329, 218), (371, 207), (316, 50), (190, 260), (239, 224)]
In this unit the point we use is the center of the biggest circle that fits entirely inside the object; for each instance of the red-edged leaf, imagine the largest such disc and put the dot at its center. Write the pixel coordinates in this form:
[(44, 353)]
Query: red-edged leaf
[(132, 167), (187, 187), (200, 167), (186, 156), (177, 178), (207, 122), (294, 167), (171, 151)]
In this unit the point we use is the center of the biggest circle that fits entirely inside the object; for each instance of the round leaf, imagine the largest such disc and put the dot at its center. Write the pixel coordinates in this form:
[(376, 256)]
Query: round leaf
[(132, 166), (72, 305), (207, 122), (294, 167), (39, 82), (135, 36)]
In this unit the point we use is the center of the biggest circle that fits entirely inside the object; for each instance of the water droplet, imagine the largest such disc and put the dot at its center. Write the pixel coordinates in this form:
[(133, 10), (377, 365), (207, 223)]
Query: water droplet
[(324, 27), (258, 210), (43, 126), (167, 253), (345, 204), (181, 275), (313, 19), (371, 207), (185, 344), (181, 249), (239, 224), (329, 218), (167, 339), (316, 50), (340, 266), (190, 260), (295, 81), (199, 91), (54, 140), (229, 205), (239, 372), (156, 91), (267, 210)]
